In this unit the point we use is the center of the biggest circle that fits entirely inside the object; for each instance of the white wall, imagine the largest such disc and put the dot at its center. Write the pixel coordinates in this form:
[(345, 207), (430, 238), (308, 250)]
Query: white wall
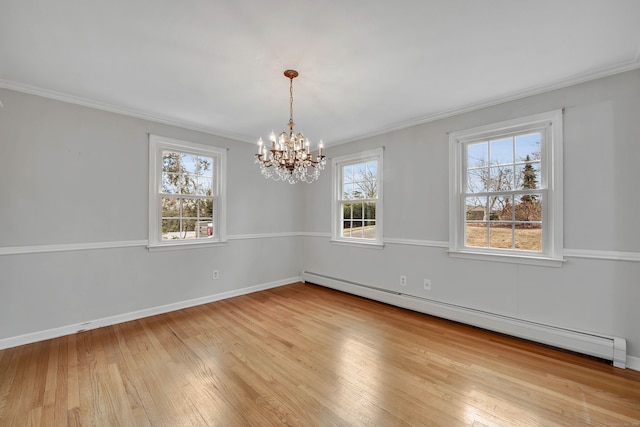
[(72, 176), (602, 204)]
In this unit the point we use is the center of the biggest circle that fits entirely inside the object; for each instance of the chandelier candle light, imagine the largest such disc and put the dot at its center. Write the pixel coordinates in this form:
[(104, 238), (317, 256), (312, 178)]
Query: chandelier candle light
[(289, 158)]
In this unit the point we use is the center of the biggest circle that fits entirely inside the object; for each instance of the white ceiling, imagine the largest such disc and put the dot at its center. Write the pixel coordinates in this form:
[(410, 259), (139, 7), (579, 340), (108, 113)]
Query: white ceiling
[(365, 66)]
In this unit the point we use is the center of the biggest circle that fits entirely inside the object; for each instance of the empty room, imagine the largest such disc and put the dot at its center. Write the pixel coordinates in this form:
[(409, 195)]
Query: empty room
[(330, 213)]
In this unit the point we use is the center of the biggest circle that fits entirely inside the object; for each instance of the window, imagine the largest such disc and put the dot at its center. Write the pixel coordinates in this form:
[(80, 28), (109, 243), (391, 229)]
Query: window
[(186, 194), (357, 201), (506, 190)]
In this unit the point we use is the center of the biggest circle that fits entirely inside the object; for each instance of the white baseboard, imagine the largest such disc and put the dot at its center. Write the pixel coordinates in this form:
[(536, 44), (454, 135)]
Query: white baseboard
[(593, 344), (633, 363), (125, 317)]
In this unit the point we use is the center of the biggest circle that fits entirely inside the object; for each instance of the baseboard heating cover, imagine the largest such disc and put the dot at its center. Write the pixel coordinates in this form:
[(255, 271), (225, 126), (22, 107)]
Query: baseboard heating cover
[(604, 347)]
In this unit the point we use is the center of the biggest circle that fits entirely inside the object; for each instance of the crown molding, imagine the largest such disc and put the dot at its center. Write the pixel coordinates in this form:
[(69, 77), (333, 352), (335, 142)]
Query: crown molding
[(138, 114), (610, 70), (622, 67)]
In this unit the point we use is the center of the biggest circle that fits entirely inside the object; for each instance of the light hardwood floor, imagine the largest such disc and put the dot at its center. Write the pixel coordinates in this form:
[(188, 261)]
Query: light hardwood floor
[(304, 355)]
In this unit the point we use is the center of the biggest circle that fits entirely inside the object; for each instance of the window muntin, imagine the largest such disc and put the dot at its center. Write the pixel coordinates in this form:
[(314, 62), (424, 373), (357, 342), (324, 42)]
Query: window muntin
[(506, 188), (357, 200), (186, 202), (187, 196), (503, 193)]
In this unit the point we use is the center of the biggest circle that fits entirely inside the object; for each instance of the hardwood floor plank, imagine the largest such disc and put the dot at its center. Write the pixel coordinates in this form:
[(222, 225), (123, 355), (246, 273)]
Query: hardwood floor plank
[(60, 403), (73, 382), (51, 382), (303, 355)]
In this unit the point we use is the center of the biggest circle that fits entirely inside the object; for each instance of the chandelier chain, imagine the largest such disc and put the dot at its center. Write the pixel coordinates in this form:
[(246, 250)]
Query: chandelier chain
[(291, 103)]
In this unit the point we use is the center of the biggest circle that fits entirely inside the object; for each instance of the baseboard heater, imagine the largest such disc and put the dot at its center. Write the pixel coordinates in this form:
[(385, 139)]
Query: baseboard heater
[(604, 347)]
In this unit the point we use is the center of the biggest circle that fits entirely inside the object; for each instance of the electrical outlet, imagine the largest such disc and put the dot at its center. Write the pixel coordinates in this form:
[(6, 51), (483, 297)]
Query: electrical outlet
[(403, 280), (216, 275), (427, 284)]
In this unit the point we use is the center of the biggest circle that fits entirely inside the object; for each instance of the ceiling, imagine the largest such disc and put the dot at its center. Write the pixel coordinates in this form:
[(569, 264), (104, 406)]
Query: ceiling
[(366, 66)]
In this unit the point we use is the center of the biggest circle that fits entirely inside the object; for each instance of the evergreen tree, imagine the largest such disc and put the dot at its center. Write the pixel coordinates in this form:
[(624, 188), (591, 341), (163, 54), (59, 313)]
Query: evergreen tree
[(529, 180)]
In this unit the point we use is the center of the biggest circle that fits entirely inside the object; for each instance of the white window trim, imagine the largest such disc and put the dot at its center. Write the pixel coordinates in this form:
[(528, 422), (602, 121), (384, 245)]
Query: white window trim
[(156, 145), (336, 213), (552, 254)]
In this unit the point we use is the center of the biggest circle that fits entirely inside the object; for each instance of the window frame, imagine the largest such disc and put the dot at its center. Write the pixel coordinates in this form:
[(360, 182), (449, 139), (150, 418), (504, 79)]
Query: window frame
[(551, 186), (337, 164), (158, 144)]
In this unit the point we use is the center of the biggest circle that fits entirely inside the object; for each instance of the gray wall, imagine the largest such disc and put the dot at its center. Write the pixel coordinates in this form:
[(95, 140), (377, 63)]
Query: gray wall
[(73, 175), (602, 204)]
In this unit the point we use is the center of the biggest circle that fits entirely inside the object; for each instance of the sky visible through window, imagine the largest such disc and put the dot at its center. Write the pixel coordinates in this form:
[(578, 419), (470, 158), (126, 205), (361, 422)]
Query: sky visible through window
[(497, 165), (503, 150), (497, 216)]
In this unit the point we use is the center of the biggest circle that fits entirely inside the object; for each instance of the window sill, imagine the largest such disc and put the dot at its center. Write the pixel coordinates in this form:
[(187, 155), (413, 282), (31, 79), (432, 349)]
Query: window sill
[(358, 244), (185, 245), (508, 258)]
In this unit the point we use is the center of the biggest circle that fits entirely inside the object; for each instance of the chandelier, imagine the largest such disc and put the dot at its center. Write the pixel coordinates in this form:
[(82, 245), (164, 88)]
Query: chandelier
[(289, 158)]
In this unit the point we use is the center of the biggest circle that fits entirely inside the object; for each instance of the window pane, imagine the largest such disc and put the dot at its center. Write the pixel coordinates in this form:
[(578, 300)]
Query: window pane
[(528, 207), (205, 209), (368, 187), (501, 151), (170, 183), (528, 176), (170, 207), (188, 229), (347, 173), (367, 181), (172, 162), (501, 209), (477, 180), (187, 184), (189, 208), (501, 235), (528, 145), (358, 191), (476, 208), (204, 228), (205, 186), (357, 211), (357, 229), (477, 154), (370, 210), (204, 166), (347, 191), (369, 230), (501, 178), (346, 211), (170, 229), (372, 168), (359, 172), (528, 237), (346, 229), (177, 184), (475, 234), (189, 163)]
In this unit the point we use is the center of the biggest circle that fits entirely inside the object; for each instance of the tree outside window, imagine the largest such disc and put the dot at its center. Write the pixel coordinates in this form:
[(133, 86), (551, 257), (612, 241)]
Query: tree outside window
[(506, 190), (186, 193), (357, 183), (186, 175)]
